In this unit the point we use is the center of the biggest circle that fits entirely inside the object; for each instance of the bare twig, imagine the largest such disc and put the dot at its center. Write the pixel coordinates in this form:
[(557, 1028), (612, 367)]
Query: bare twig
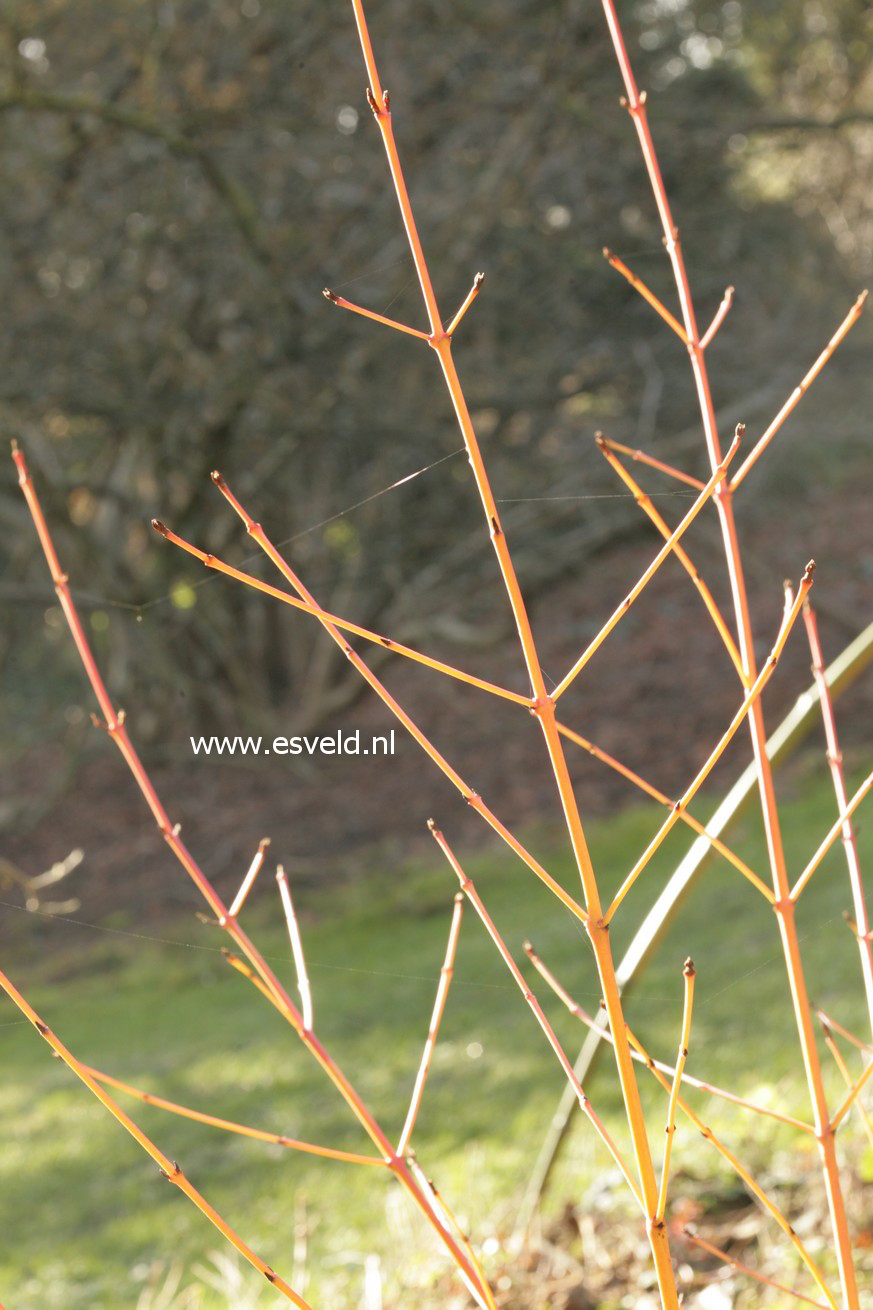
[(647, 575), (296, 949), (435, 1020), (799, 391), (682, 1056), (753, 1273), (169, 1168), (748, 702)]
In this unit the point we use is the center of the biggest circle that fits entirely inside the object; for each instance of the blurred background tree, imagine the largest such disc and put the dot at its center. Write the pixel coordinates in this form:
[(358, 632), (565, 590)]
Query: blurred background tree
[(181, 179)]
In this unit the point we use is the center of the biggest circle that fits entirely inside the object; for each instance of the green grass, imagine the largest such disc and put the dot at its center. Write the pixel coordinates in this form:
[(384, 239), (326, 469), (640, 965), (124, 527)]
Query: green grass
[(84, 1214)]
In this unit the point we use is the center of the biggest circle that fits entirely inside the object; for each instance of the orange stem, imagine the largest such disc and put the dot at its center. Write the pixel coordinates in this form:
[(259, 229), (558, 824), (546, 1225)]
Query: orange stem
[(471, 296), (833, 833), (169, 1168), (655, 1069), (668, 1069), (749, 700), (835, 761), (228, 1125), (544, 703), (720, 316), (387, 643), (369, 313), (256, 531), (685, 816), (650, 572), (647, 295), (117, 731), (787, 927), (645, 504), (753, 1273), (682, 1056), (641, 457), (799, 391), (470, 892)]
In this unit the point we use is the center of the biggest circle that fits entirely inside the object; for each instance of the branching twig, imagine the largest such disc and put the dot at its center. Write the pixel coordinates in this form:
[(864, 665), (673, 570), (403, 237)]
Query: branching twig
[(169, 1168), (720, 316), (472, 895), (748, 702), (685, 816), (707, 1132), (296, 950), (228, 1125), (799, 391), (835, 761), (753, 1273), (645, 504), (833, 833), (445, 983), (682, 1056), (647, 575)]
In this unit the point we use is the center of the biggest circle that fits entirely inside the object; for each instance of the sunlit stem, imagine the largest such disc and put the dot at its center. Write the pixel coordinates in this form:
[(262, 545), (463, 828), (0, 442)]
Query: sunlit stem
[(296, 950), (650, 572), (471, 296), (270, 984), (647, 295), (435, 1021), (799, 391), (844, 1032), (682, 1056), (847, 1079), (856, 1088), (345, 625), (749, 699), (642, 457), (169, 1168), (636, 106), (835, 762), (245, 969), (228, 1125), (685, 816), (753, 1273), (720, 316), (707, 1132), (668, 1069), (472, 895), (369, 313), (473, 799), (248, 881), (832, 835), (645, 504), (543, 705), (483, 1297)]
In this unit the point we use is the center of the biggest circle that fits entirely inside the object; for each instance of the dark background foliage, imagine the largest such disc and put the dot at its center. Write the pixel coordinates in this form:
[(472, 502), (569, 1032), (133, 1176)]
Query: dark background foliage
[(180, 180)]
